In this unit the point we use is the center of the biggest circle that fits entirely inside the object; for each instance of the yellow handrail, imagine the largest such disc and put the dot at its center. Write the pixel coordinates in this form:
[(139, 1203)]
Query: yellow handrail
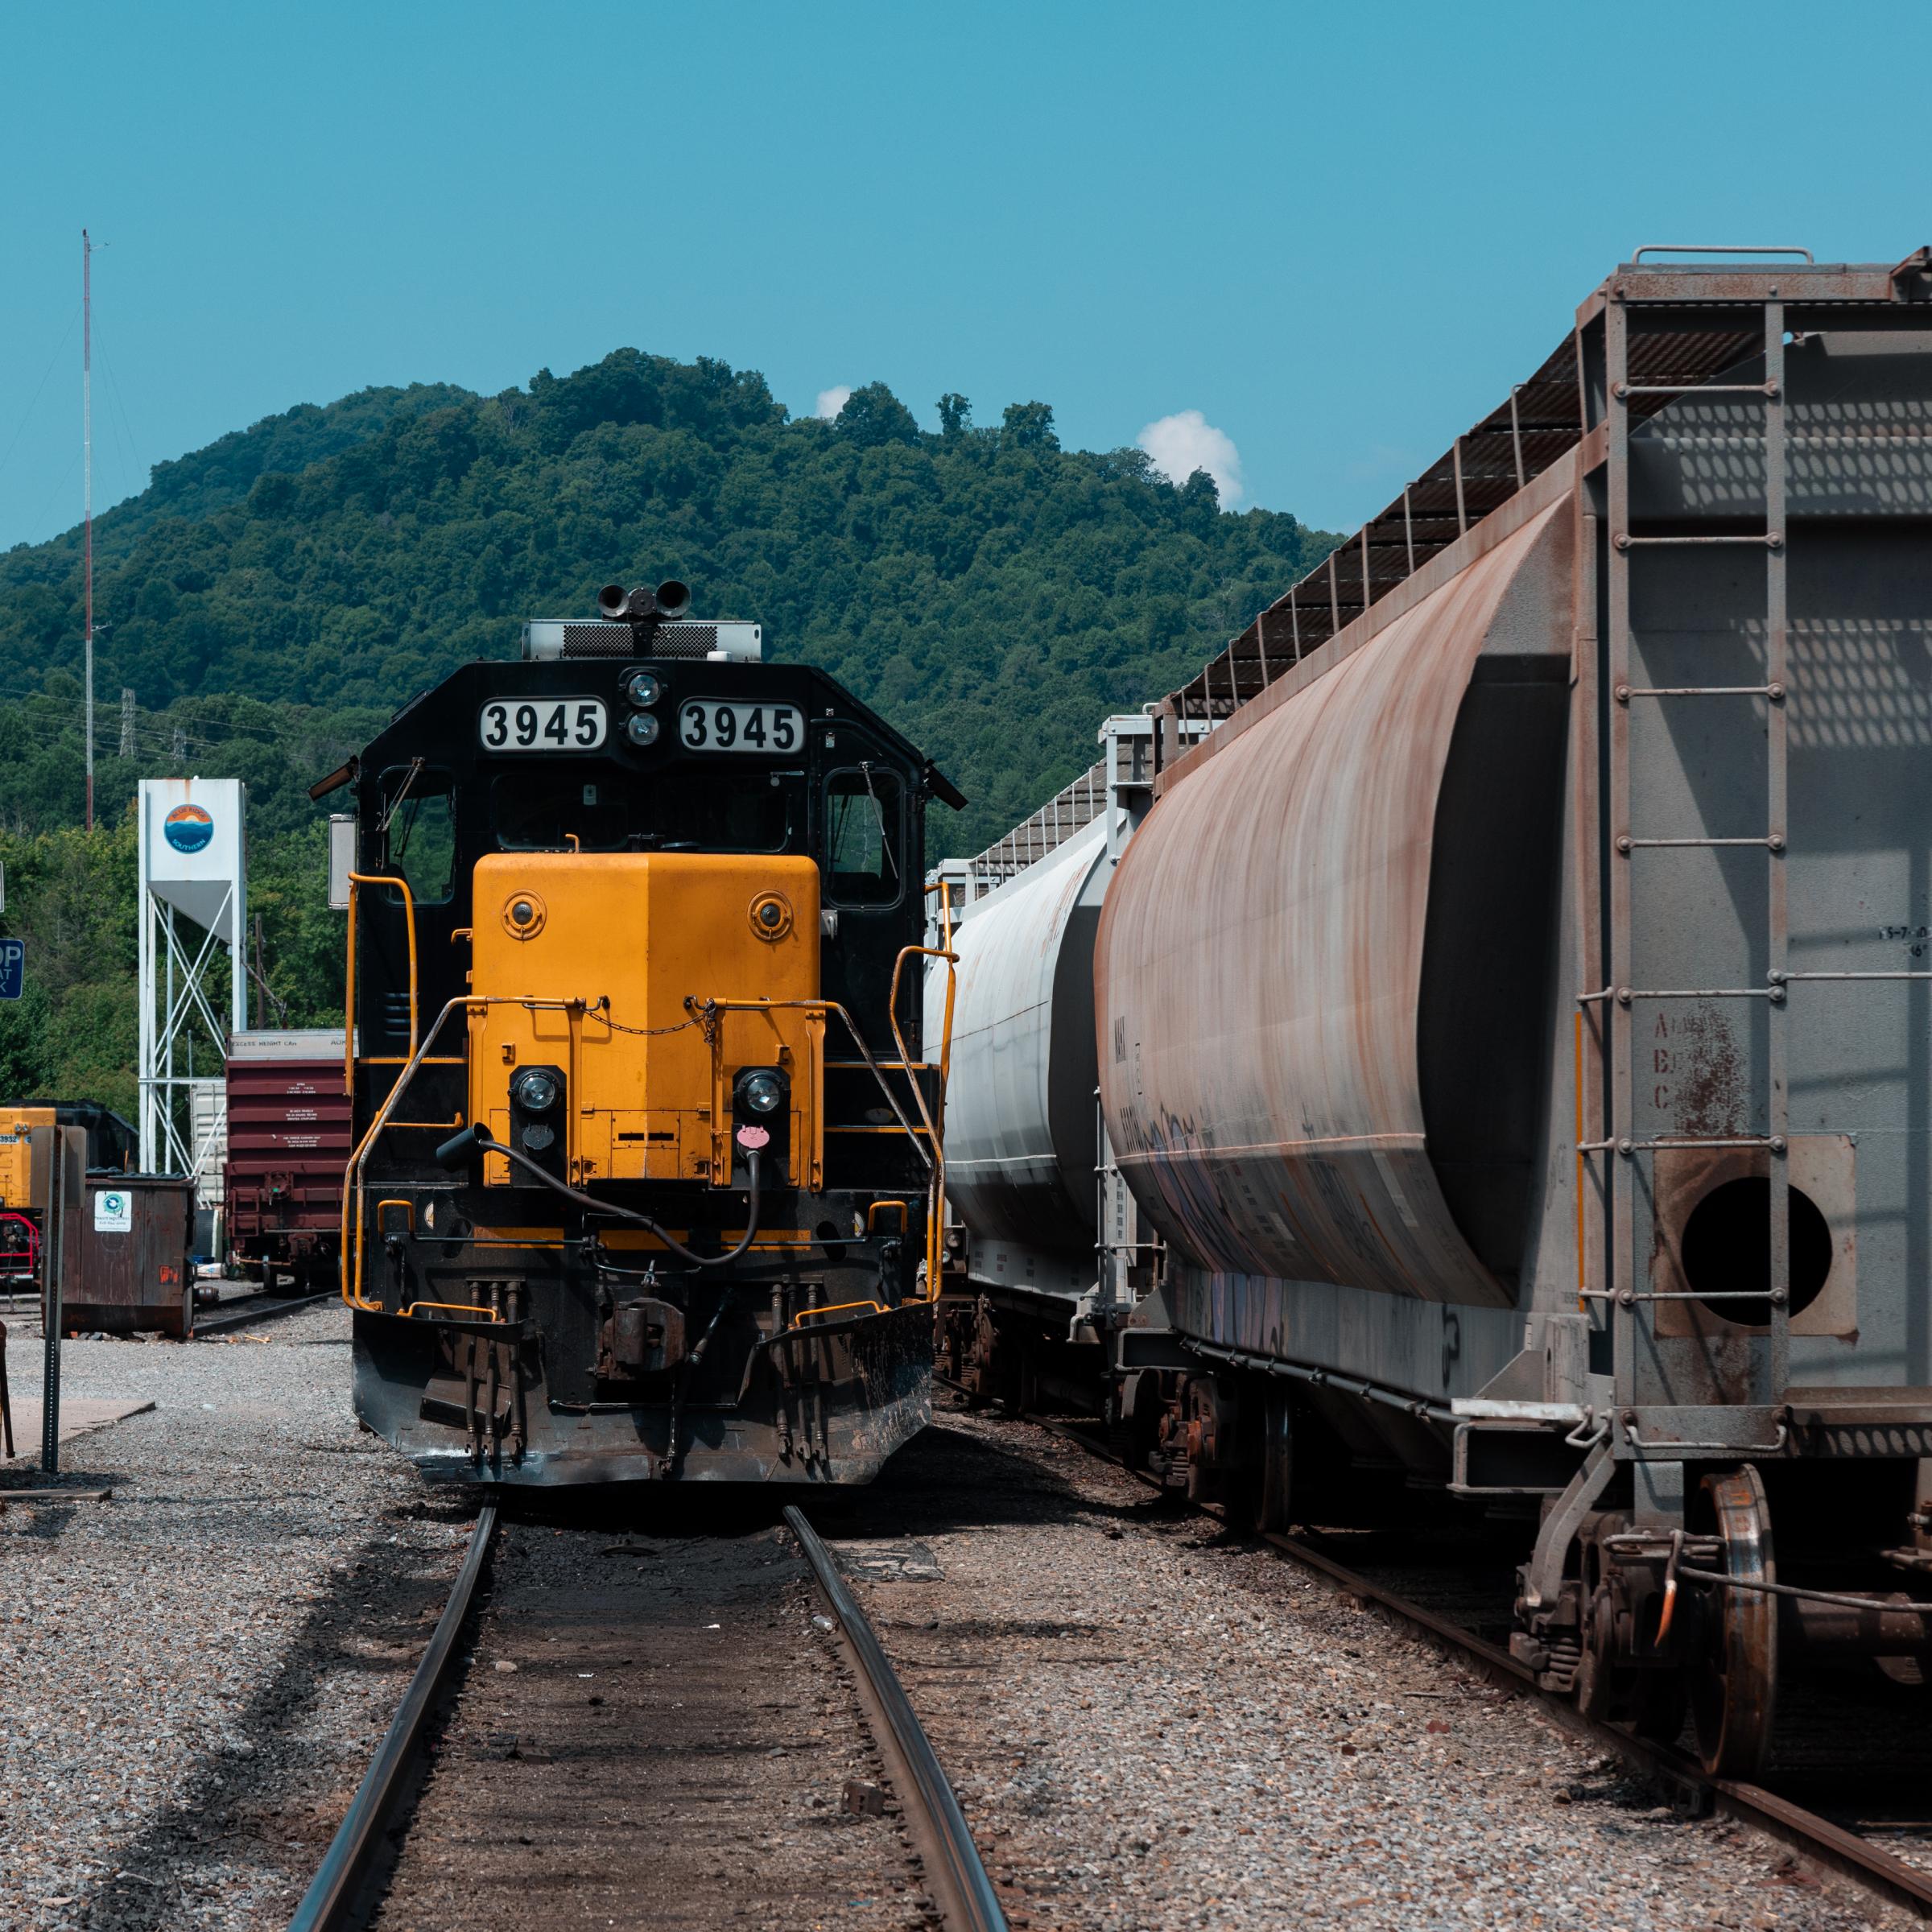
[(936, 1129), (352, 1184), (349, 980), (352, 1174)]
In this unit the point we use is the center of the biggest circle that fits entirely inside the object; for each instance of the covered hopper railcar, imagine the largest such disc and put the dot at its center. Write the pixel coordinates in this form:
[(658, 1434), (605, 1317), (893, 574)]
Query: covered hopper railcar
[(1514, 1017), (646, 1152)]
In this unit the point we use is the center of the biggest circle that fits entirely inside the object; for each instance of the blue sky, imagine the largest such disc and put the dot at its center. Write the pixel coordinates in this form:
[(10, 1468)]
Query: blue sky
[(1338, 233)]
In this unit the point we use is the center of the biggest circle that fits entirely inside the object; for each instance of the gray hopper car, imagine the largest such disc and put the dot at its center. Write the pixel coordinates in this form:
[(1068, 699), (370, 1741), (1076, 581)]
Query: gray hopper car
[(1514, 1015)]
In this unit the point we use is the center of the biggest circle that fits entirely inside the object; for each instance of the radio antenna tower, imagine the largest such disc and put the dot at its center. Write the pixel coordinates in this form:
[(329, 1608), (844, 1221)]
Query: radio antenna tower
[(87, 464)]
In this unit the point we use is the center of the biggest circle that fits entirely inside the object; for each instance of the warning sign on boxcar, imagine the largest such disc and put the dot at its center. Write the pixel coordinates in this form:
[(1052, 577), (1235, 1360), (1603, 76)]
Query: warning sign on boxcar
[(113, 1212)]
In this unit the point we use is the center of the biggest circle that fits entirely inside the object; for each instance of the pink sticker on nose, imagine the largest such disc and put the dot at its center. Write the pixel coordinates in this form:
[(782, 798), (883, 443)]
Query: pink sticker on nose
[(754, 1136)]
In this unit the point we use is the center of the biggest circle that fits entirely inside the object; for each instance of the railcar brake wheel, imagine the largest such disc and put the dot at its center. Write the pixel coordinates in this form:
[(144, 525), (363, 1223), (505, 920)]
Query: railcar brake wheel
[(1734, 1680)]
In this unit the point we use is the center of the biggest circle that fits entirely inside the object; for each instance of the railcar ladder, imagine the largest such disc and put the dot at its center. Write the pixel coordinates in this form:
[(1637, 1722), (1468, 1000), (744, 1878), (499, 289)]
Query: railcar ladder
[(1622, 1151)]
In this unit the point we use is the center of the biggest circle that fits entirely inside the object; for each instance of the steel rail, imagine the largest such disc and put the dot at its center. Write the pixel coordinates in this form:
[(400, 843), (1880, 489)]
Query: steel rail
[(334, 1893), (1847, 1853), (224, 1318), (957, 1880)]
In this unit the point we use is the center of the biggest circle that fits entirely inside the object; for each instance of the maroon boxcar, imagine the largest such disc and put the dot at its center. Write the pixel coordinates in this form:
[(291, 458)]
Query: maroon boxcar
[(288, 1142)]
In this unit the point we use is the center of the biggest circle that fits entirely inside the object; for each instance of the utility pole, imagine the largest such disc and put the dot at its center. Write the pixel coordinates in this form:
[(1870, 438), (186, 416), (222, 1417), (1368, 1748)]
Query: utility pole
[(127, 722), (87, 455)]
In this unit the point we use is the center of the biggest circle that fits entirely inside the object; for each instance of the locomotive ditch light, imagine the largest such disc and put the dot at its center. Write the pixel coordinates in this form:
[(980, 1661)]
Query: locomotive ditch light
[(760, 1091), (536, 1090), (641, 727), (642, 689)]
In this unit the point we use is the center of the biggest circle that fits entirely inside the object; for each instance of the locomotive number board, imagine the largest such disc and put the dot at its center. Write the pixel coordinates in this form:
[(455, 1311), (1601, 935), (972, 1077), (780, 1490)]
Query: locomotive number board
[(541, 725), (711, 724)]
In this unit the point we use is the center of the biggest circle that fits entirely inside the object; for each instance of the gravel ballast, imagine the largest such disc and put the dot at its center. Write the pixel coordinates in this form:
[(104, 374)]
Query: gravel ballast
[(194, 1672), (1152, 1724)]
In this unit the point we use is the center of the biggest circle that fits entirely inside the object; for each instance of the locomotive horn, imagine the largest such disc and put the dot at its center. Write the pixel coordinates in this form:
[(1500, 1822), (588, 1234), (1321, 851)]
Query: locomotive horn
[(674, 598), (612, 602)]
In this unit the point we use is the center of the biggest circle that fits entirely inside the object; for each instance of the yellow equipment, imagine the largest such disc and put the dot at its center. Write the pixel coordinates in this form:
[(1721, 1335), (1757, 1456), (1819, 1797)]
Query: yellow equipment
[(645, 941)]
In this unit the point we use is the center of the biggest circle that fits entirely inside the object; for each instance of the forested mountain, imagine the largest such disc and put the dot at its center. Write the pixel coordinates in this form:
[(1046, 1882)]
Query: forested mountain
[(268, 598)]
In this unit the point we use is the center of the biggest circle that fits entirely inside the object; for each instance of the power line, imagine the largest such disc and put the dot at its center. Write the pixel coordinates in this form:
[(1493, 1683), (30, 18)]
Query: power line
[(164, 724), (34, 534), (123, 422), (59, 349)]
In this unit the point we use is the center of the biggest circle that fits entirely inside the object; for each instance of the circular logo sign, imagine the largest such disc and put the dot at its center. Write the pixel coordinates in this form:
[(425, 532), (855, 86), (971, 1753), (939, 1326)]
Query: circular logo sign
[(188, 828)]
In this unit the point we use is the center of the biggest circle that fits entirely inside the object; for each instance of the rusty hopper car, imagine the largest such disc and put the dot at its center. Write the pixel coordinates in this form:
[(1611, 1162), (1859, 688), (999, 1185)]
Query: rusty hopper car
[(647, 1156), (288, 1140), (1513, 1016)]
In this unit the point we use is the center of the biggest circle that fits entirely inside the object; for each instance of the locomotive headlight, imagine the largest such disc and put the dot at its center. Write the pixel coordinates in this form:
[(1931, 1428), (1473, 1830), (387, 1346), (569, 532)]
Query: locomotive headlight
[(534, 1090), (761, 1092), (642, 689), (641, 727)]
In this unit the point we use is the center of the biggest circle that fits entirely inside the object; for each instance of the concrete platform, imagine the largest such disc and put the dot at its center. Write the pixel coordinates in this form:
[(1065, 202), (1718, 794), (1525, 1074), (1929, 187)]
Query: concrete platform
[(79, 1415)]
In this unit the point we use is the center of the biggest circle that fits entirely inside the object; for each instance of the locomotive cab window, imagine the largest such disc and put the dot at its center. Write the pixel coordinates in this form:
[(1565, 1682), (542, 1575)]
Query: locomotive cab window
[(865, 843), (420, 839), (674, 811)]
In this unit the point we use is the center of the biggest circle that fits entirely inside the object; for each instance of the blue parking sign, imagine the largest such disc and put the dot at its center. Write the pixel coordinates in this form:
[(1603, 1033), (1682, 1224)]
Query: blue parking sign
[(13, 968)]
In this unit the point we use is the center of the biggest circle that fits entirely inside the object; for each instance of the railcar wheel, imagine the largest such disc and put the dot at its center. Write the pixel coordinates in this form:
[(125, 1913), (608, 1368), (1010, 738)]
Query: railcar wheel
[(1734, 1677), (1610, 1685), (1274, 1483), (1596, 1668)]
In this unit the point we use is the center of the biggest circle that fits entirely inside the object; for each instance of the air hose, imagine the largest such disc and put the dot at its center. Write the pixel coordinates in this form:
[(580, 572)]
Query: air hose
[(476, 1138)]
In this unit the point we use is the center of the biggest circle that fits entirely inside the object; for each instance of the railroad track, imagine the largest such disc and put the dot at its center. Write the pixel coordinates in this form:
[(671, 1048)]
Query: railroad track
[(225, 1318), (1822, 1840), (337, 1893), (345, 1891), (955, 1875)]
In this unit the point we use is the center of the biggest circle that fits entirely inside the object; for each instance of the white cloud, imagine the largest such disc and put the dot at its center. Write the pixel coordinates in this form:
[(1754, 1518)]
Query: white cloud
[(832, 400), (1181, 443)]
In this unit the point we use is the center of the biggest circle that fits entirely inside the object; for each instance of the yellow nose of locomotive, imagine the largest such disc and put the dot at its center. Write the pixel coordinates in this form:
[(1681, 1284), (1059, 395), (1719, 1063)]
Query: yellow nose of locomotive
[(677, 971)]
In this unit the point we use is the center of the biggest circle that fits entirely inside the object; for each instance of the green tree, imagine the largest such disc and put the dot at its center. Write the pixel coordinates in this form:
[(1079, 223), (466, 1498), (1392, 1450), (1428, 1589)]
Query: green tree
[(272, 598), (1029, 426), (873, 414)]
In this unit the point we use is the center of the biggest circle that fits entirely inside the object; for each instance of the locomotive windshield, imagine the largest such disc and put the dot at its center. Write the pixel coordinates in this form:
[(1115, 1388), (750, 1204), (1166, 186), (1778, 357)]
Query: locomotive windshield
[(714, 811)]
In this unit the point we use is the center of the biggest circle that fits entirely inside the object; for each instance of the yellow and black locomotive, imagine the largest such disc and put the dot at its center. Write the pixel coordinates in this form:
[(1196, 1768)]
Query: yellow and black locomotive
[(648, 1148)]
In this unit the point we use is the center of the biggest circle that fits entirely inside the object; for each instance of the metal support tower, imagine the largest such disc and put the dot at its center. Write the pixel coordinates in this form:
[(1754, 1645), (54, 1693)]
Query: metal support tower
[(87, 465), (193, 893)]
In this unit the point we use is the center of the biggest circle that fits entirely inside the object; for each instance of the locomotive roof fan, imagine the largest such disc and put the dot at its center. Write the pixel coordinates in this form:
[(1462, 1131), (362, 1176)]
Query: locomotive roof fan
[(641, 622)]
